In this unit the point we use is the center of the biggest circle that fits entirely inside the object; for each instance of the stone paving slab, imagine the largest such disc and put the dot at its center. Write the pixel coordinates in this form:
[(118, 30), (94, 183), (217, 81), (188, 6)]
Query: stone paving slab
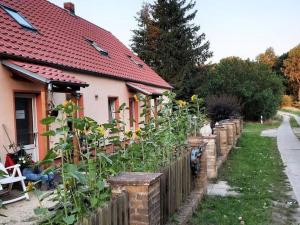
[(221, 189), (269, 133)]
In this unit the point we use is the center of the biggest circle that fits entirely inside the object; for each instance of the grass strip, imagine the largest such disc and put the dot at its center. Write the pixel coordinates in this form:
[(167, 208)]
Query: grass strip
[(293, 122)]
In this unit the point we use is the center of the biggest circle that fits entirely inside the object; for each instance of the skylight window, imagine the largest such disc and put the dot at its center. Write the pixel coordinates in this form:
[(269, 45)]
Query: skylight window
[(97, 47), (18, 17), (135, 62)]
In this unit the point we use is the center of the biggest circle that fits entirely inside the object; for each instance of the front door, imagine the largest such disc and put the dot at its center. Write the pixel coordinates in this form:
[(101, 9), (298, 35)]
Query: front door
[(26, 125)]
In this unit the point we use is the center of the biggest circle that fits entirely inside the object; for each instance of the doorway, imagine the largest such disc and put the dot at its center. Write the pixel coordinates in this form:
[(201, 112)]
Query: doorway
[(26, 123)]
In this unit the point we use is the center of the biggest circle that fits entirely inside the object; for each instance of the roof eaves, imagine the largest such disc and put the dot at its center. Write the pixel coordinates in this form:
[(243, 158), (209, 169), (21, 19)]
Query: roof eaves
[(21, 70), (139, 89)]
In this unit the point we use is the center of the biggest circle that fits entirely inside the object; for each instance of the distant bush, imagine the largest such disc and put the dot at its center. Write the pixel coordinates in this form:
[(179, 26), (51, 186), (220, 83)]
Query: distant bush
[(222, 107), (286, 101), (259, 89)]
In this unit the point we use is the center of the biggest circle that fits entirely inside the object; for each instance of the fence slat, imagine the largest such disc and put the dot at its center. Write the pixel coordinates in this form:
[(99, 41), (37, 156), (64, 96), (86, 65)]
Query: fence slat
[(114, 212)]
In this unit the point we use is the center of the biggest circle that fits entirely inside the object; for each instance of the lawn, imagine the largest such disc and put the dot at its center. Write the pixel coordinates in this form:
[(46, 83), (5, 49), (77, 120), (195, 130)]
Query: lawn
[(255, 170), (293, 122)]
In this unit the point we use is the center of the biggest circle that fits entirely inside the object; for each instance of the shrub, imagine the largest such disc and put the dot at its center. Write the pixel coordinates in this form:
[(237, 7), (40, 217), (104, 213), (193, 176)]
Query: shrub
[(222, 107), (286, 101)]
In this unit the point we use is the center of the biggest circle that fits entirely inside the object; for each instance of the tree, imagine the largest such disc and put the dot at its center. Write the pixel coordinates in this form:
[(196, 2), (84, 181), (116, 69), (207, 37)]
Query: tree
[(292, 67), (144, 38), (268, 57), (168, 40), (256, 85)]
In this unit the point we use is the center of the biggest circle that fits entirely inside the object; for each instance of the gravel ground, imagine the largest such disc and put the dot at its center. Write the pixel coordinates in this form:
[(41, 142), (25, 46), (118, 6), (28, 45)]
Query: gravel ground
[(21, 212)]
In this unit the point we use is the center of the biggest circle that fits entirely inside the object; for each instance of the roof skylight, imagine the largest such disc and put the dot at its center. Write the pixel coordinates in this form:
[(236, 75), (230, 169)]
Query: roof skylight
[(135, 62), (97, 47), (18, 17)]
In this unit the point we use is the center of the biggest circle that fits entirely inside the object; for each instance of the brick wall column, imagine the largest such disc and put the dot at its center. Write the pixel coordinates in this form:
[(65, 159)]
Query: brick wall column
[(223, 140), (144, 196), (211, 156), (201, 179), (218, 141), (238, 127), (242, 124), (230, 134)]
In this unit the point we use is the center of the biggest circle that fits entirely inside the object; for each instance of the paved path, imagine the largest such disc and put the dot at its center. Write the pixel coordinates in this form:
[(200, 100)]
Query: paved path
[(289, 147)]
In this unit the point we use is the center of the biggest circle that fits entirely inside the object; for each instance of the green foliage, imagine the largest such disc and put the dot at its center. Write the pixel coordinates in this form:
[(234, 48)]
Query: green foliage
[(258, 88), (170, 43)]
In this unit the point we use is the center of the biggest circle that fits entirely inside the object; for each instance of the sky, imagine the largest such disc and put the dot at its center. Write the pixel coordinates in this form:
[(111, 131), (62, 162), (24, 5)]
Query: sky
[(241, 28)]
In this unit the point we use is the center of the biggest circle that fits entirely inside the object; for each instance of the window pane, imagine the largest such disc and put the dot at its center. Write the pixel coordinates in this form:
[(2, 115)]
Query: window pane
[(131, 111), (24, 121), (111, 109), (20, 19)]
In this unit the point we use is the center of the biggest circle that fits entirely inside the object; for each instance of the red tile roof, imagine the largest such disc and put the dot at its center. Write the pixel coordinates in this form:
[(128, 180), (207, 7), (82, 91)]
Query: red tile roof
[(61, 42), (145, 89), (37, 71)]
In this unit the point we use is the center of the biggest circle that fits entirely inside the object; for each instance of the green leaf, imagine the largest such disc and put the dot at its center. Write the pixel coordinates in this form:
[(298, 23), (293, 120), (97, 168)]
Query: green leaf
[(49, 133), (40, 211), (62, 130), (48, 120), (104, 156), (50, 156), (69, 219), (100, 185)]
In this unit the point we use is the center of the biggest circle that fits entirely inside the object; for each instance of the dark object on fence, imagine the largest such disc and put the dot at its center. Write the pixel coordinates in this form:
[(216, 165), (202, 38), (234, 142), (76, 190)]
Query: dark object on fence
[(195, 160)]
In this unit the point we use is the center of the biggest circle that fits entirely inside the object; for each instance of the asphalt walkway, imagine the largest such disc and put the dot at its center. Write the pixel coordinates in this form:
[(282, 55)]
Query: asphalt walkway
[(289, 148)]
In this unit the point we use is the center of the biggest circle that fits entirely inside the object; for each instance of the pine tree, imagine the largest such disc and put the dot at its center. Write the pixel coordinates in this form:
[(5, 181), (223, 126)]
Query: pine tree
[(170, 43)]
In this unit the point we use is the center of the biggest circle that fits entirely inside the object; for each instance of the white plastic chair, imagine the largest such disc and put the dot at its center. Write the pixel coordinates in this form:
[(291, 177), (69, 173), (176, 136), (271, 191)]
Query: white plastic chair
[(10, 179)]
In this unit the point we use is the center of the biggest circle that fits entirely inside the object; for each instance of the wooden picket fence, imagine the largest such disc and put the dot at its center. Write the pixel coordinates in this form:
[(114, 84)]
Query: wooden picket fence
[(115, 212), (176, 184)]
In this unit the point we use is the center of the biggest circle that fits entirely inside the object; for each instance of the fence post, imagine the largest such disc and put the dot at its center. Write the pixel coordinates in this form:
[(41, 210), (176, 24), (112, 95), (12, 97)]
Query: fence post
[(211, 156), (230, 133), (238, 127), (144, 196), (201, 179), (222, 141)]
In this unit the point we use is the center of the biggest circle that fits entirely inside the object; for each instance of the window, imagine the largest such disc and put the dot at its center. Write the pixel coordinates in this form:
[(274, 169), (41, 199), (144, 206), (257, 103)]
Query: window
[(18, 17), (135, 62), (112, 106), (131, 112), (97, 47)]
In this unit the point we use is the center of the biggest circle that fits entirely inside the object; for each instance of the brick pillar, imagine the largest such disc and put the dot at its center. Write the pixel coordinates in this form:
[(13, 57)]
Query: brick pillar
[(201, 179), (238, 127), (218, 141), (211, 156), (242, 124), (144, 196), (230, 133), (222, 139)]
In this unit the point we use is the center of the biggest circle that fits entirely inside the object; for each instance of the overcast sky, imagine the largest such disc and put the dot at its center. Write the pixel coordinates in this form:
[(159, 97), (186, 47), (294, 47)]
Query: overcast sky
[(242, 28)]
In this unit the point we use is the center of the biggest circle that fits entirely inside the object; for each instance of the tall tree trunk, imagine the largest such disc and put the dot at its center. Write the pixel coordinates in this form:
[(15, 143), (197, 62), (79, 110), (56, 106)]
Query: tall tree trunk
[(298, 91)]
